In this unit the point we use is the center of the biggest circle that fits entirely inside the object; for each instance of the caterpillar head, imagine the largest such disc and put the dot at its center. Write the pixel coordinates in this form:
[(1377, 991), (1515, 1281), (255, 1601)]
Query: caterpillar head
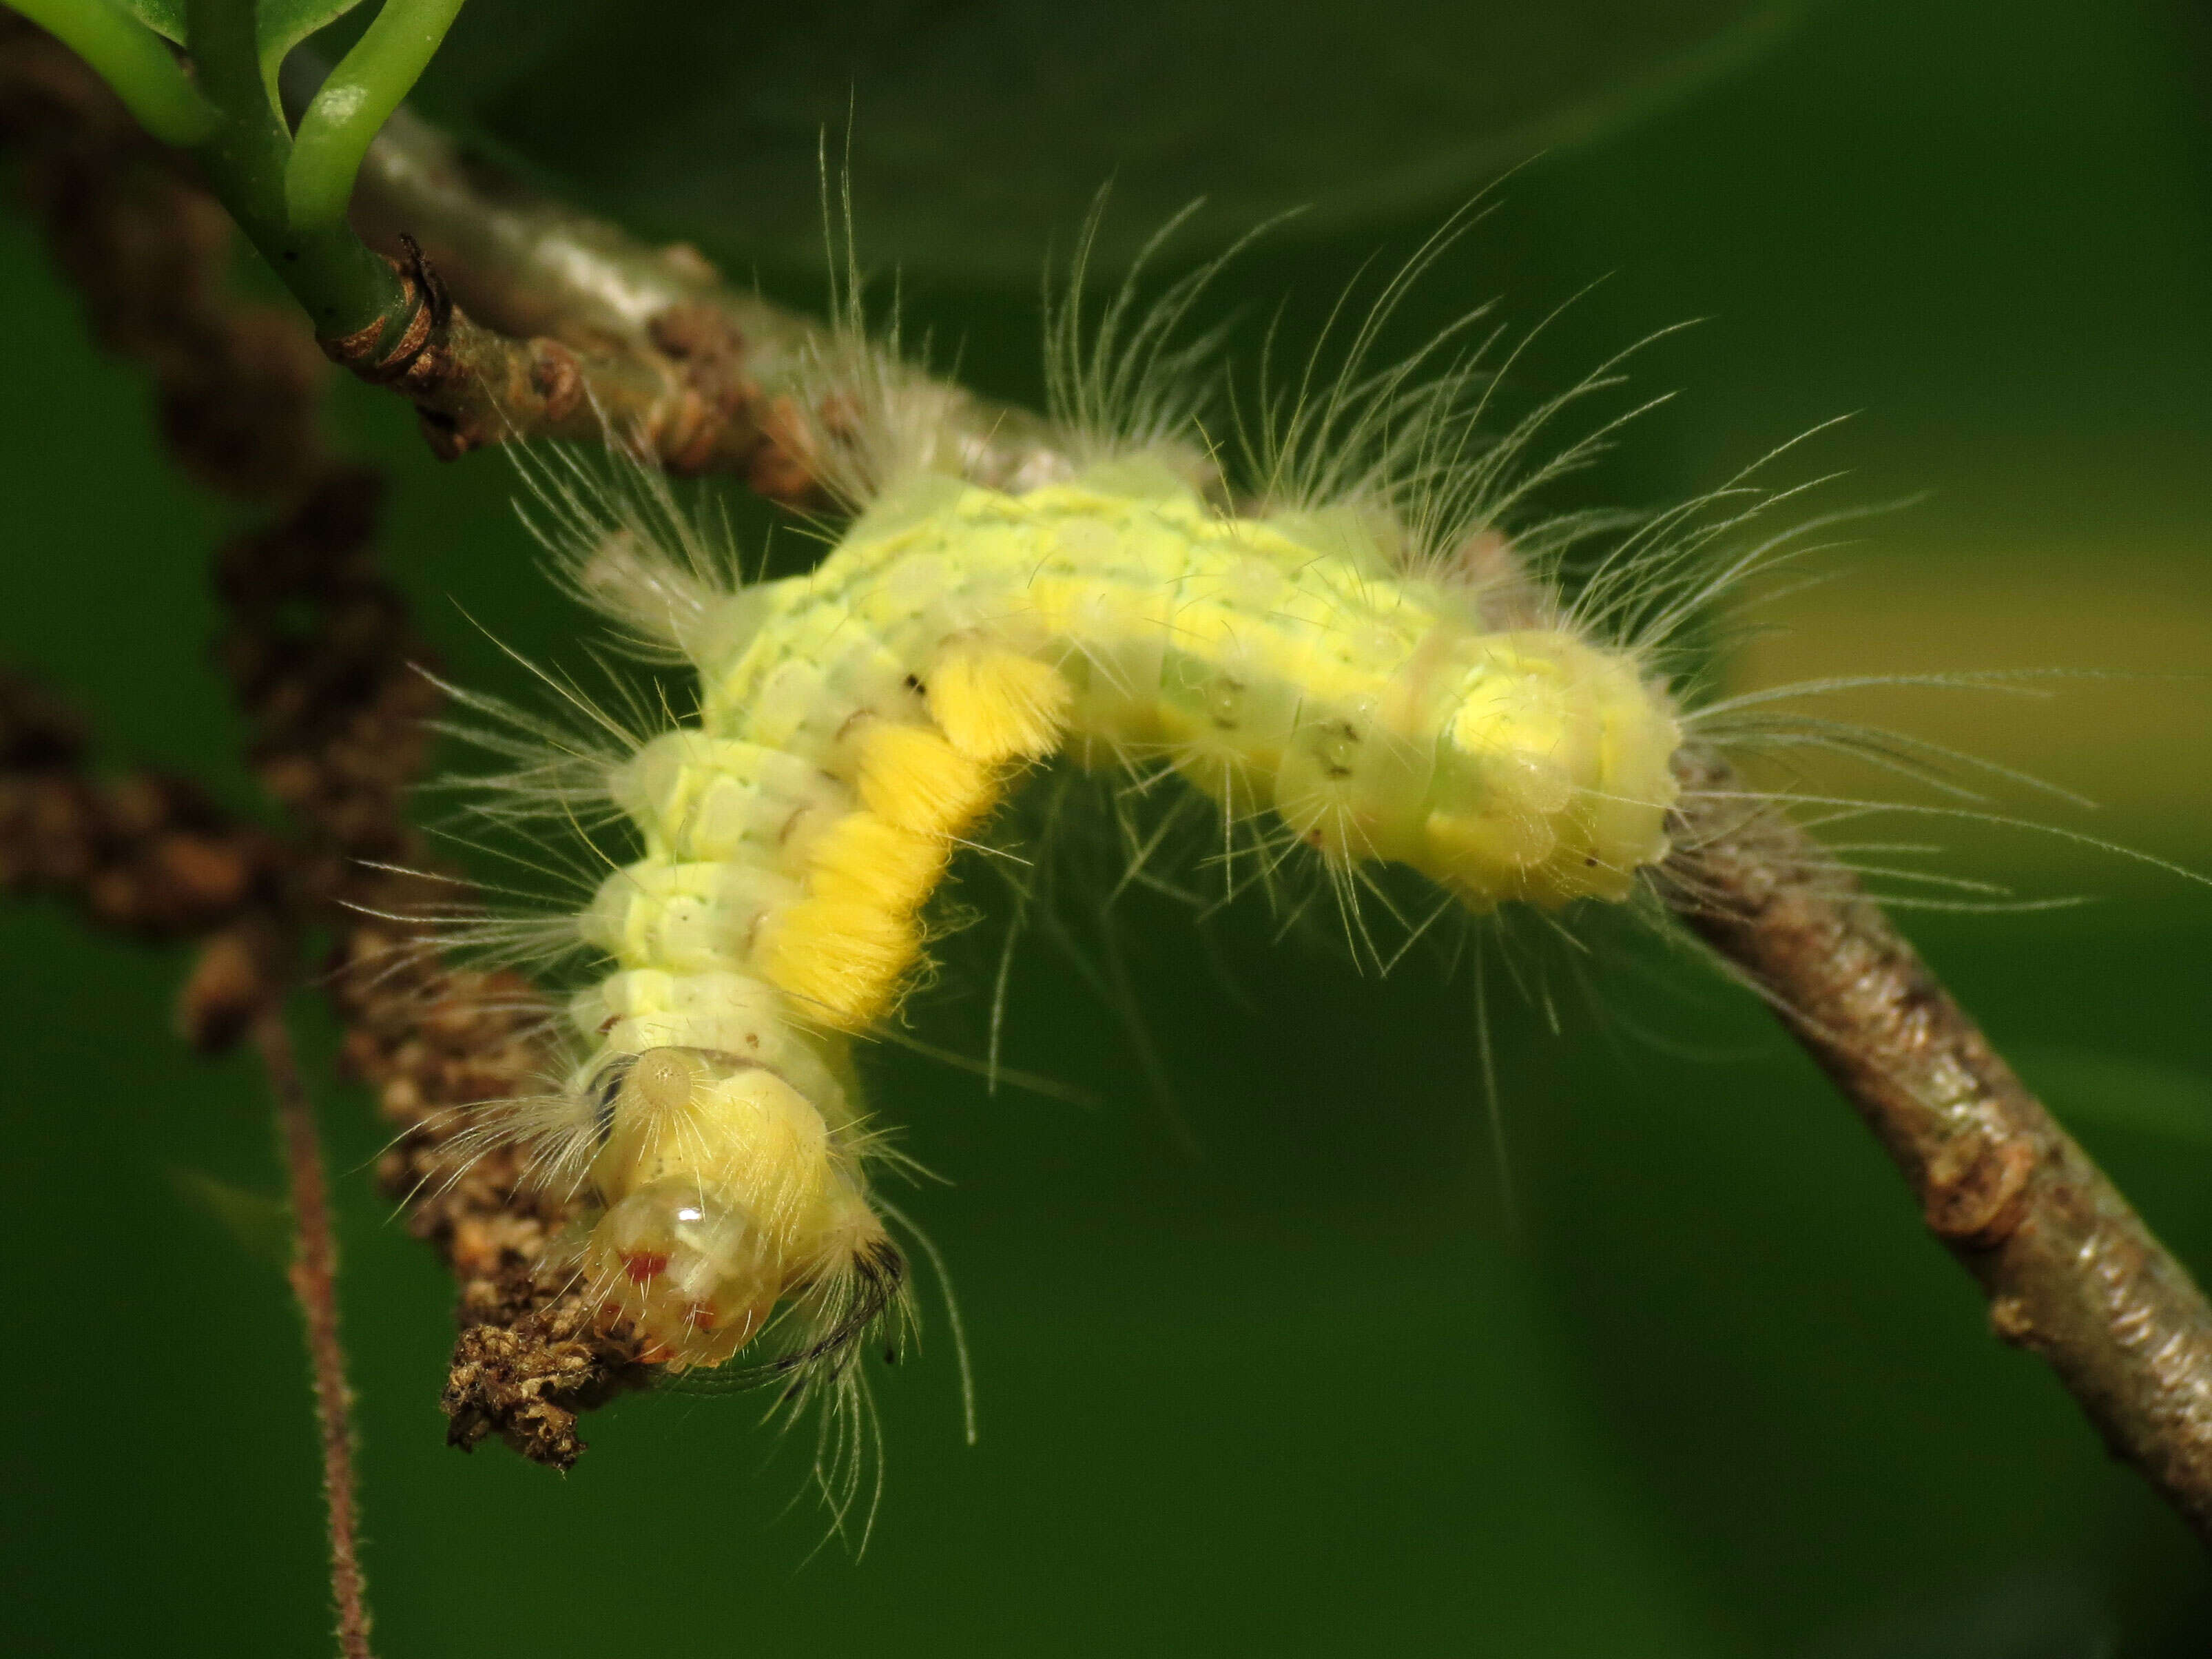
[(724, 1197)]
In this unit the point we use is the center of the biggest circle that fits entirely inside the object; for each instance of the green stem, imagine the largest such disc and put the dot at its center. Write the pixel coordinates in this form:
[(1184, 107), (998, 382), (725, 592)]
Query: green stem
[(355, 100), (344, 287), (133, 60)]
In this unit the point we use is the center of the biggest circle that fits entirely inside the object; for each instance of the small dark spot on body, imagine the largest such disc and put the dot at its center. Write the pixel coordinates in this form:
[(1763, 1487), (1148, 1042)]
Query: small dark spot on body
[(606, 1088), (1343, 732), (916, 686), (1588, 862)]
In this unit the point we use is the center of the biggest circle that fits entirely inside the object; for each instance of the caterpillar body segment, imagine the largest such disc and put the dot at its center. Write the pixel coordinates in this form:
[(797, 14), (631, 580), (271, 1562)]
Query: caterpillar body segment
[(856, 724), (1281, 665)]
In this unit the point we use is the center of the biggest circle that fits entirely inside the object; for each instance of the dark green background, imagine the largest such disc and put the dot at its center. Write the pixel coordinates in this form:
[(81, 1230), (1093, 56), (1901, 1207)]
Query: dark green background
[(1310, 1390)]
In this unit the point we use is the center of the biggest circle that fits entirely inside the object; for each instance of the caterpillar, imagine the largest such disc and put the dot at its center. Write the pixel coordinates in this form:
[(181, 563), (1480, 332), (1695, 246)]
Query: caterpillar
[(1367, 666), (855, 722)]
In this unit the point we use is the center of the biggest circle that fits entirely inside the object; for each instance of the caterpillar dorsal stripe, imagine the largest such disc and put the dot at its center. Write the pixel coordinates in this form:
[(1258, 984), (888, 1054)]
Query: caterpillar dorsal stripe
[(855, 722)]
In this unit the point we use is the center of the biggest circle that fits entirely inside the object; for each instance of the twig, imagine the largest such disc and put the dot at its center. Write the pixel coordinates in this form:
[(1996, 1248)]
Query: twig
[(597, 330), (2070, 1270), (314, 1276), (318, 651), (145, 854)]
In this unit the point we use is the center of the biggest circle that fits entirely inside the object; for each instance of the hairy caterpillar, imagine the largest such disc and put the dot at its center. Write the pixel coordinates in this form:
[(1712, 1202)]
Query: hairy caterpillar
[(1371, 667)]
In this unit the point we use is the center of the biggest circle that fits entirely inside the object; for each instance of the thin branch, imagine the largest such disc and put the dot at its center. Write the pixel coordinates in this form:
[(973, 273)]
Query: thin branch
[(318, 650), (314, 1276), (145, 854), (581, 328), (2071, 1271)]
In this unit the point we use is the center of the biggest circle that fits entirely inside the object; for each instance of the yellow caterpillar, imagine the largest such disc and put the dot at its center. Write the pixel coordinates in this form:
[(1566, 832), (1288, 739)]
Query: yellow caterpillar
[(856, 722), (1361, 669)]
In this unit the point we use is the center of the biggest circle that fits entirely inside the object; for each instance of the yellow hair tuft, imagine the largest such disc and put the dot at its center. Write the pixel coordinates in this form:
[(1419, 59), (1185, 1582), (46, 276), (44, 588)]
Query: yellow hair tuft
[(870, 860), (911, 778), (843, 950), (998, 705), (842, 960)]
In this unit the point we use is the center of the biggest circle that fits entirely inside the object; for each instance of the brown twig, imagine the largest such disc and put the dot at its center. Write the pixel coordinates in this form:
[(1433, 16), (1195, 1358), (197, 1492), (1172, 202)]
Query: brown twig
[(2070, 1270), (597, 331), (145, 854), (314, 1276), (433, 1040), (318, 651), (339, 722), (530, 320)]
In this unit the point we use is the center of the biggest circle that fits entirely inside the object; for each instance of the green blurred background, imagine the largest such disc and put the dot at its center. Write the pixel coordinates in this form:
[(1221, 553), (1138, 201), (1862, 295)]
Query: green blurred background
[(1270, 1367)]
